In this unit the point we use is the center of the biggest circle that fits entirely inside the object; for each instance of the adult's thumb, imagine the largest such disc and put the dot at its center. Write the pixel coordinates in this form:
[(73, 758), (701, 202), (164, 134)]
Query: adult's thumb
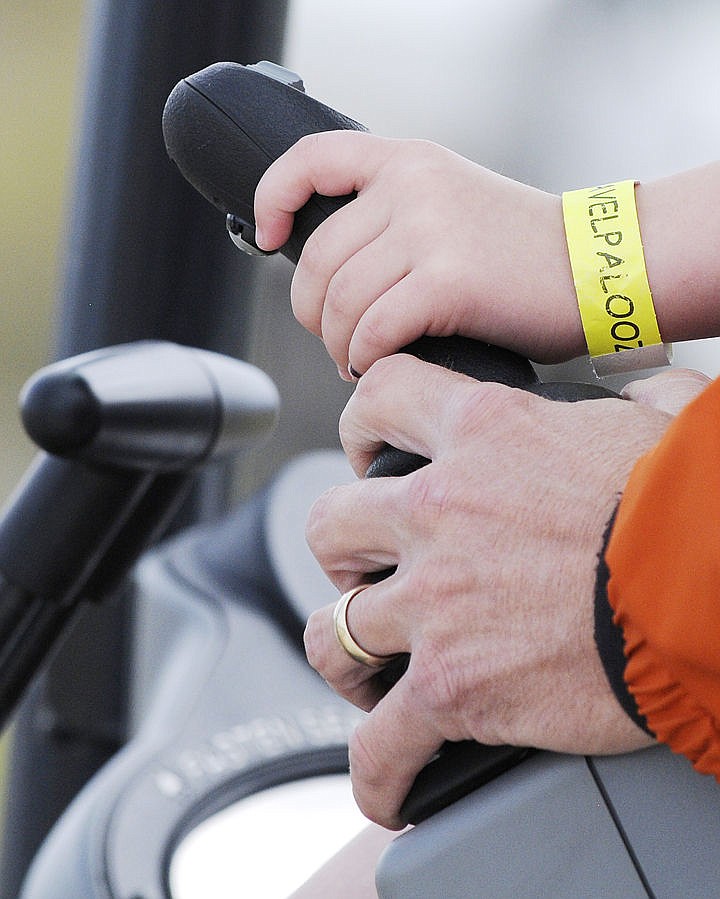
[(669, 391)]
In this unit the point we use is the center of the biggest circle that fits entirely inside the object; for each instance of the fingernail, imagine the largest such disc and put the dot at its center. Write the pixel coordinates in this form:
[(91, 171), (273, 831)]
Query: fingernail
[(259, 237), (354, 373)]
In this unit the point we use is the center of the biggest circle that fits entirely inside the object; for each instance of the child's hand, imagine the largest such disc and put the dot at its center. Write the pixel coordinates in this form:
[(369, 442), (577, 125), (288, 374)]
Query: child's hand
[(433, 244)]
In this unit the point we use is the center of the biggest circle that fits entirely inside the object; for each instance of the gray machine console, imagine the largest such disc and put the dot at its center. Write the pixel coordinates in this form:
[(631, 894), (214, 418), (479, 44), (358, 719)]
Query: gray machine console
[(640, 825)]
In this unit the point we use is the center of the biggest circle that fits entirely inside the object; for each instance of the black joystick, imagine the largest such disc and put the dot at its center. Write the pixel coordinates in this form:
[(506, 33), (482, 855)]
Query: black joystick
[(123, 429)]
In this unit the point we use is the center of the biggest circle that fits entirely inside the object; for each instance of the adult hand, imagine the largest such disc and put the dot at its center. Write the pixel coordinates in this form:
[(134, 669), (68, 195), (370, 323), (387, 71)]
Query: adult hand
[(495, 544), (433, 244)]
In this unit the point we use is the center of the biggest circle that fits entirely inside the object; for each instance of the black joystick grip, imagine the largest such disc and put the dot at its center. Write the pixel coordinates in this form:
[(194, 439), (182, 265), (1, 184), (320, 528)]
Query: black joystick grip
[(223, 127)]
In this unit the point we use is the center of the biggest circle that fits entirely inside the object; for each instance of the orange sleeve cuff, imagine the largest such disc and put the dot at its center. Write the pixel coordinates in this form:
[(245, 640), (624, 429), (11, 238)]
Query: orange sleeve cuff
[(664, 586)]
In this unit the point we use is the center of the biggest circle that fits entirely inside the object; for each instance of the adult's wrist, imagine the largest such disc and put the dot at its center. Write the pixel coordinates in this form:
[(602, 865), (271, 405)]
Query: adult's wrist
[(609, 638)]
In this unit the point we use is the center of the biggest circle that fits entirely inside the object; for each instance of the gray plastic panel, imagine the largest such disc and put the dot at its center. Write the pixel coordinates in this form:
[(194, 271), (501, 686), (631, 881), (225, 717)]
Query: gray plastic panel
[(541, 830), (670, 816)]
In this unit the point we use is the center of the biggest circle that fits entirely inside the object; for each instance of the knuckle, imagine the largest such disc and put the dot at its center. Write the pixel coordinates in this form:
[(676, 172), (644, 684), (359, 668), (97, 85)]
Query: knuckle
[(336, 305), (316, 643), (312, 259), (308, 146), (438, 683), (425, 154), (430, 492), (475, 407), (439, 278), (345, 420), (423, 160), (303, 308), (393, 369), (379, 333), (373, 333), (319, 518), (367, 770), (376, 382), (348, 421), (306, 316)]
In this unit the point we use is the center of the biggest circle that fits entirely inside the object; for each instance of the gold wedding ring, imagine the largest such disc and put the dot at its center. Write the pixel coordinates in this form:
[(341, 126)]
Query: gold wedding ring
[(346, 639)]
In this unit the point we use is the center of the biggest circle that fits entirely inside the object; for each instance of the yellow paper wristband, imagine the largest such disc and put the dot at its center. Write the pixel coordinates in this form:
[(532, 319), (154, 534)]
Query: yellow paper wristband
[(608, 266)]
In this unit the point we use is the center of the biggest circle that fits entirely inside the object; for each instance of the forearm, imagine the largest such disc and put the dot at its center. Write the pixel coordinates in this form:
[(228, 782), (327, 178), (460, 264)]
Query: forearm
[(681, 234)]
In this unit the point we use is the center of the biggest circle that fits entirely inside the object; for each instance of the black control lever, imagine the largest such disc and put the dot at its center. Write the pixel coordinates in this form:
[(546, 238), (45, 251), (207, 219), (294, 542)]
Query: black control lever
[(223, 127), (123, 430)]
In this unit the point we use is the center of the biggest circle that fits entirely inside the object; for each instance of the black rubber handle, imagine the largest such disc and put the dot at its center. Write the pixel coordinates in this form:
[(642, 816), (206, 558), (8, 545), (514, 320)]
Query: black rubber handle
[(223, 127)]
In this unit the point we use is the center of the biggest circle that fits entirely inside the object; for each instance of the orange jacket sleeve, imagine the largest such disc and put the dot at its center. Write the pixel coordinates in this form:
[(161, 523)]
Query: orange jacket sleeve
[(663, 562)]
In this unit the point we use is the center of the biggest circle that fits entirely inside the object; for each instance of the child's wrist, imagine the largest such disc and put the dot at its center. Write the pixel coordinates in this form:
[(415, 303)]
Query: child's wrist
[(561, 333)]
